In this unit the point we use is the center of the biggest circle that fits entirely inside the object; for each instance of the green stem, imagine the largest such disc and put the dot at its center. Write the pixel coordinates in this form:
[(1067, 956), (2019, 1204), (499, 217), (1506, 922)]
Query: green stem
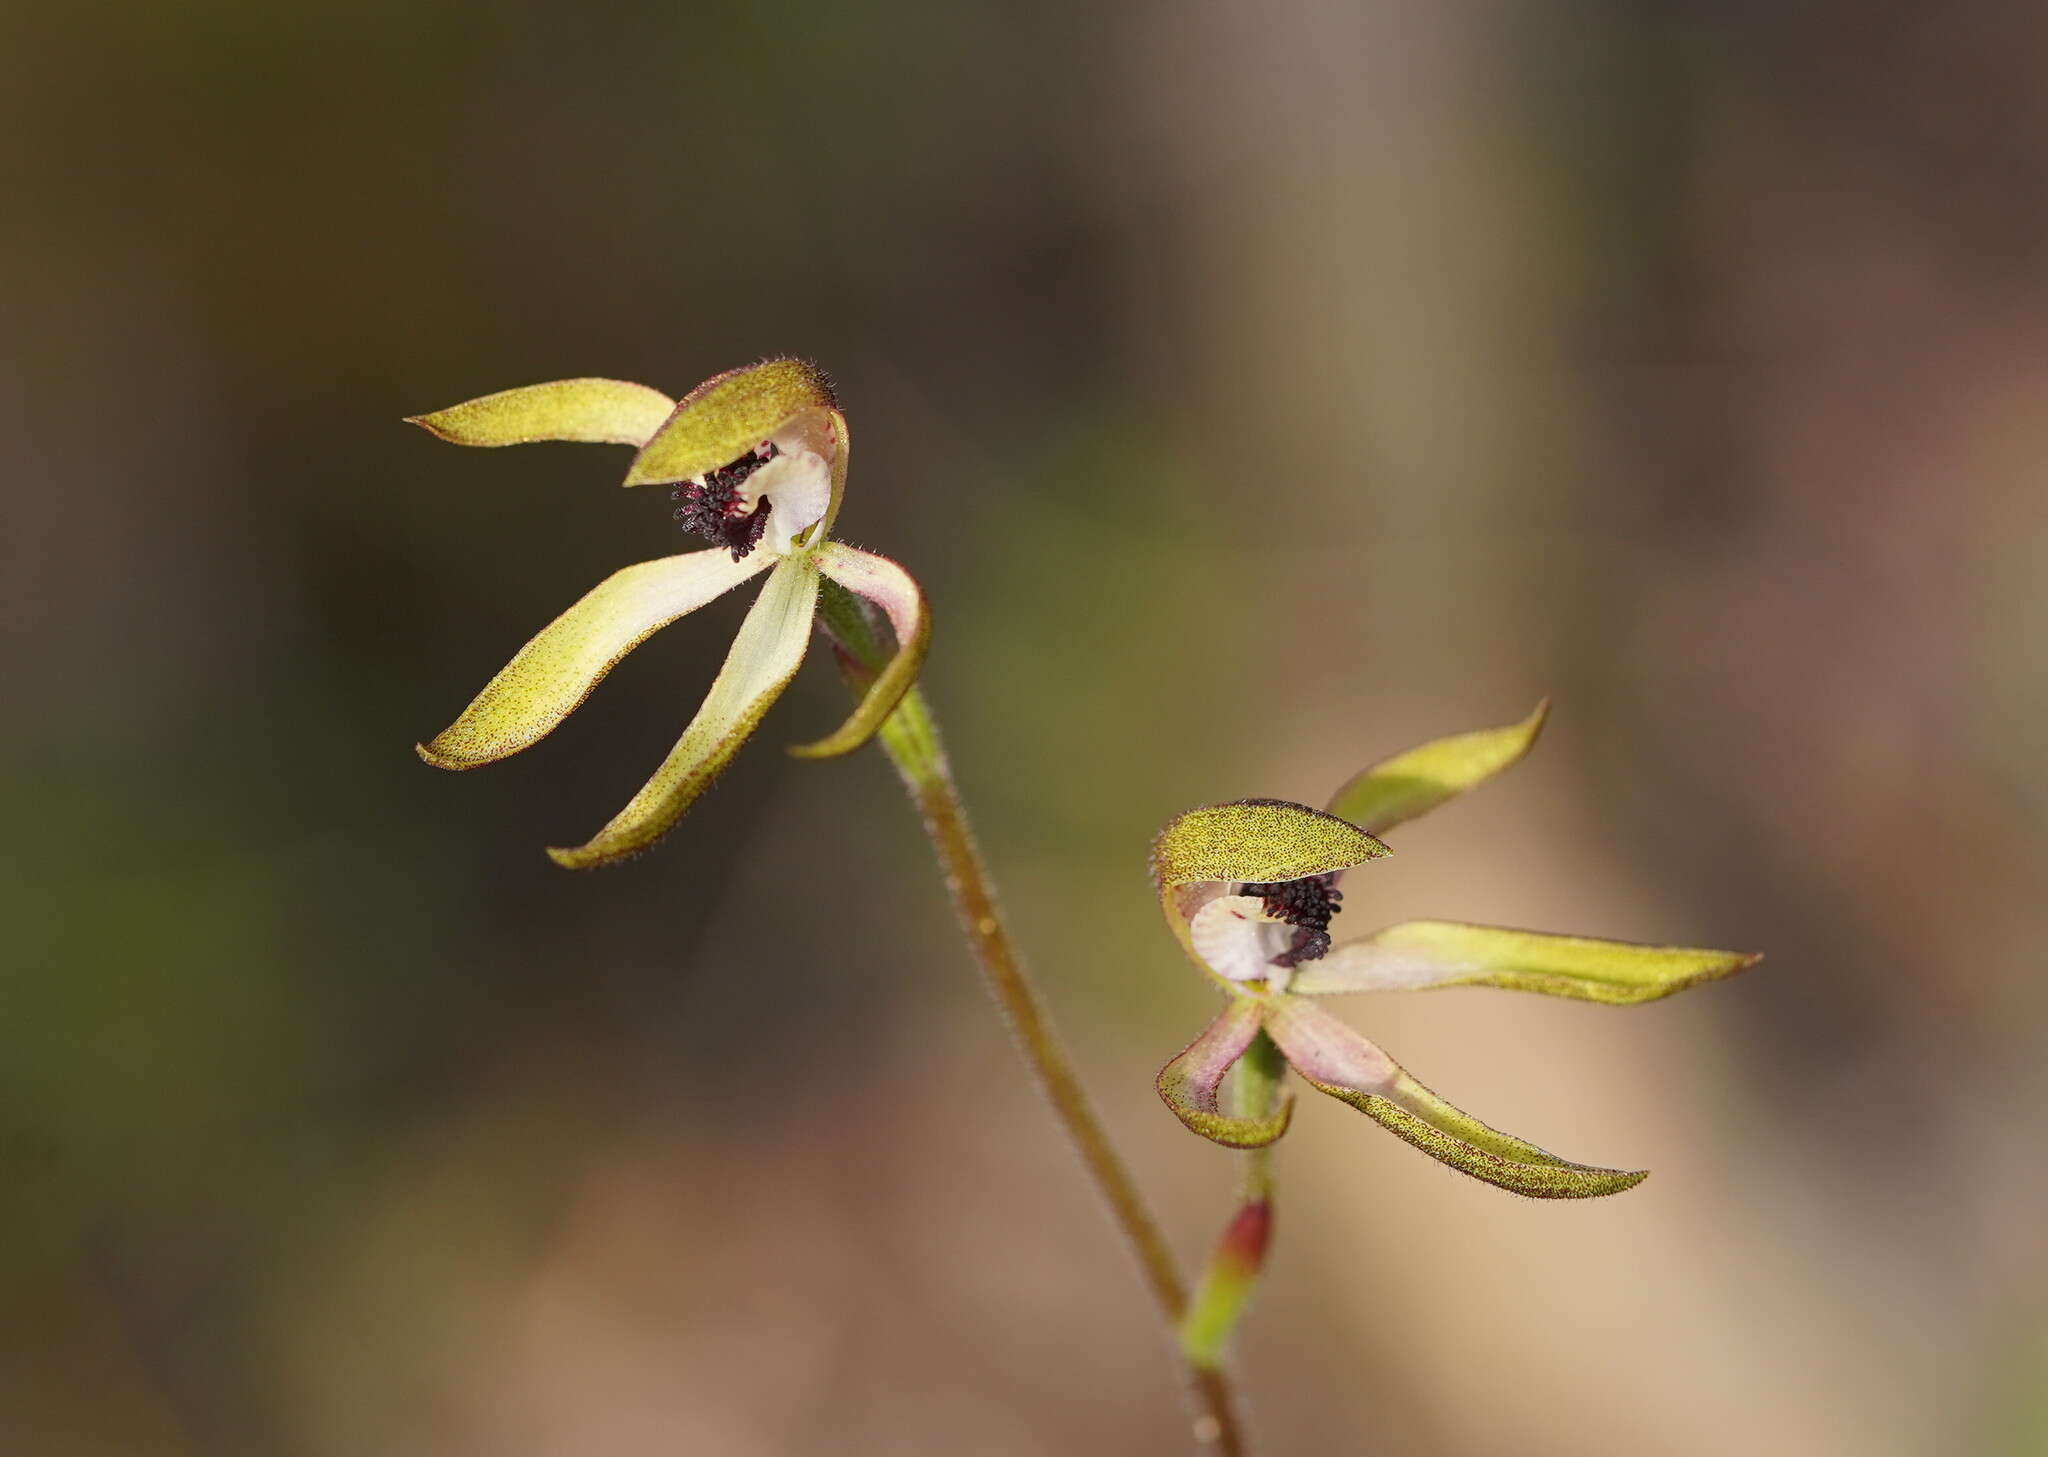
[(1239, 1257), (910, 737)]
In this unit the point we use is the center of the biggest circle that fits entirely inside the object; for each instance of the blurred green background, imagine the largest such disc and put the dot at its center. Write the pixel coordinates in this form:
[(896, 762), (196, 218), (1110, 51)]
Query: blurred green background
[(1257, 390)]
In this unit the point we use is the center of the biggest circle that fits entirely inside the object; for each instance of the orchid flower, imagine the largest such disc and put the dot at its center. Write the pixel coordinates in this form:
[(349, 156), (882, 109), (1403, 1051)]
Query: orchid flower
[(1250, 890), (757, 458)]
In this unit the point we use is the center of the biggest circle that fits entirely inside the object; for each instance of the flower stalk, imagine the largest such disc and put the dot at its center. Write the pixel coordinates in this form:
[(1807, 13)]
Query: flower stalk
[(1239, 1258), (910, 737)]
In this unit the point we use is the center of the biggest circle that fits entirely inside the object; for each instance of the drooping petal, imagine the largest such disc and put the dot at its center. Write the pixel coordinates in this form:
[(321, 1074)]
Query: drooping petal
[(1190, 1083), (1396, 790), (1234, 1267), (1337, 1061), (595, 411), (727, 416), (1419, 954), (764, 657), (896, 592), (555, 671)]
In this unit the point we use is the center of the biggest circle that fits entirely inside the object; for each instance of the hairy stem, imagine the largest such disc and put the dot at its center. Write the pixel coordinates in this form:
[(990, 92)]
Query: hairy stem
[(910, 737)]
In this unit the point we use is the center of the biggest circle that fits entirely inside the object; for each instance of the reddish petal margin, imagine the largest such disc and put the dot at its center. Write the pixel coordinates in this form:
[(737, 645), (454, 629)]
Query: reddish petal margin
[(1190, 1083)]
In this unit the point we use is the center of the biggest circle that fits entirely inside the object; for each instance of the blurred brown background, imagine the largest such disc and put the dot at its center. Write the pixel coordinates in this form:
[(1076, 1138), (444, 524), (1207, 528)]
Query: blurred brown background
[(1257, 390)]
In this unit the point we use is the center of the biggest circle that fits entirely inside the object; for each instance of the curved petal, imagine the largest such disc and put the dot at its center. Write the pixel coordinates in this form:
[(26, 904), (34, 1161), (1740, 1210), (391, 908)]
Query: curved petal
[(1236, 938), (1257, 840), (556, 670), (1418, 954), (896, 592), (797, 488), (1189, 1084), (764, 657), (1396, 790), (727, 416), (837, 446), (596, 411), (1339, 1062)]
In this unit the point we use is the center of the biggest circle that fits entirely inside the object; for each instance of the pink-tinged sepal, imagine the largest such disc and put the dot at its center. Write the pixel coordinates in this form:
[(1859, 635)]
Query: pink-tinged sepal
[(1191, 1083), (890, 588), (1337, 1061)]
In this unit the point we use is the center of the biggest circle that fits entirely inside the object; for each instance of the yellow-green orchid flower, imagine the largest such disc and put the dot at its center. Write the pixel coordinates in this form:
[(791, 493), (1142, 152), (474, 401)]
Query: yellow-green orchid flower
[(757, 458), (1250, 890)]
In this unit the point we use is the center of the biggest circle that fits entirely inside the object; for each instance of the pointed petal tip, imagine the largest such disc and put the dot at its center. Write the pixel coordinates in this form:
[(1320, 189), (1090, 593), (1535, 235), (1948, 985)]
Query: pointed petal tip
[(429, 424), (429, 754), (611, 847), (551, 676), (835, 745), (1410, 784), (588, 410), (1416, 955), (762, 660), (1461, 1142), (1458, 1140)]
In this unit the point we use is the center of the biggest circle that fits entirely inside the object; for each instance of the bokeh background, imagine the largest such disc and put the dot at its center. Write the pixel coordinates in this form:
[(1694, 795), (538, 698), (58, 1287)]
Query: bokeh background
[(1257, 390)]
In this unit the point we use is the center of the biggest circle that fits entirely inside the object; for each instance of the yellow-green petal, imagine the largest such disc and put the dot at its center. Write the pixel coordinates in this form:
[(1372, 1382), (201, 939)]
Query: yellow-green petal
[(1419, 954), (1412, 1112), (896, 592), (1396, 790), (556, 670), (764, 657), (1190, 1083), (1257, 840), (1337, 1061), (594, 411), (727, 416)]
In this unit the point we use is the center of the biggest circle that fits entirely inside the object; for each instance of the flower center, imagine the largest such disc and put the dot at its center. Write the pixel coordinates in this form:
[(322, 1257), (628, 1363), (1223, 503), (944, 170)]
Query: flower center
[(1306, 905), (714, 507)]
